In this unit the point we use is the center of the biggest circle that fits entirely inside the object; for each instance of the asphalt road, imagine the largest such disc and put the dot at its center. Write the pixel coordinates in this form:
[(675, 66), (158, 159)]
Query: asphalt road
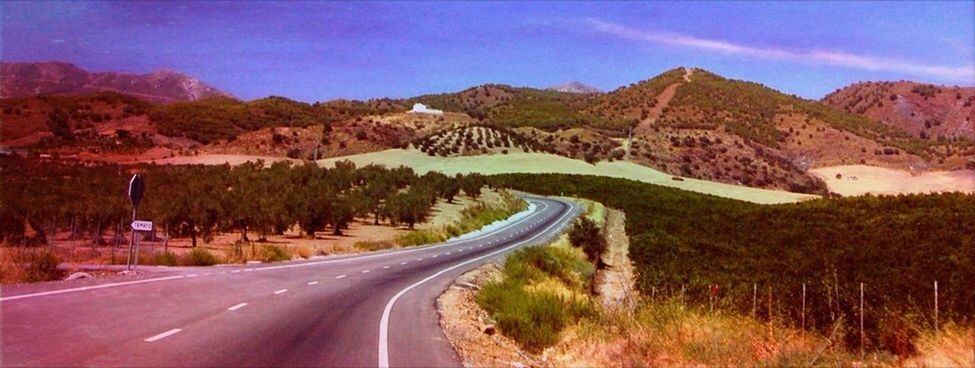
[(376, 309)]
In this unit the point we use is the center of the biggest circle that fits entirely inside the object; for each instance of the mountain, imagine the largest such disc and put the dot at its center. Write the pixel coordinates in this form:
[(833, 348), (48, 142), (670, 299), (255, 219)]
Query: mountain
[(924, 110), (575, 87), (687, 122), (27, 79)]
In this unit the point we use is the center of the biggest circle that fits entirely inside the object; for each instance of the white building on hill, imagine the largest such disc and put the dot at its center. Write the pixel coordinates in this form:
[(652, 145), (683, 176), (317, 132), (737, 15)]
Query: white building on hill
[(419, 108)]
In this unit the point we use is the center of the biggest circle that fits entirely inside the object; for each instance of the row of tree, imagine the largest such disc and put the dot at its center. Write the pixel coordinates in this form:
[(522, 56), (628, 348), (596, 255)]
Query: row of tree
[(699, 248), (39, 198)]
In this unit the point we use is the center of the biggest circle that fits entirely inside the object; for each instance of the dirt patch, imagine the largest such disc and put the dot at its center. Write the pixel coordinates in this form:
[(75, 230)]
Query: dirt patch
[(614, 284), (468, 327), (852, 180)]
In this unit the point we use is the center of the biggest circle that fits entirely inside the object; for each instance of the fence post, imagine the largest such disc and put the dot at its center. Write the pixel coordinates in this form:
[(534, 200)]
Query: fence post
[(936, 306), (862, 337), (754, 300), (682, 296), (802, 332)]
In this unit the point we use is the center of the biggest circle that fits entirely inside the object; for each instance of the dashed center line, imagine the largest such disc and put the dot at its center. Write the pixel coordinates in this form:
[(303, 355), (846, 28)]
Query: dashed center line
[(403, 263), (419, 259), (236, 307), (282, 291), (365, 271), (249, 270), (163, 335), (192, 275), (434, 256), (386, 267), (235, 271), (340, 276), (312, 282)]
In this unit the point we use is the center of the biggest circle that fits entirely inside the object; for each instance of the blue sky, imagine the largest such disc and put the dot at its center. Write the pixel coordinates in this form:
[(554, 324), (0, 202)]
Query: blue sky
[(314, 51)]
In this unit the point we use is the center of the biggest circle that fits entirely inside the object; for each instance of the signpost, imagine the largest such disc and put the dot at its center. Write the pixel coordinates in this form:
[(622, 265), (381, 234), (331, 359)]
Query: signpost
[(142, 226), (137, 187)]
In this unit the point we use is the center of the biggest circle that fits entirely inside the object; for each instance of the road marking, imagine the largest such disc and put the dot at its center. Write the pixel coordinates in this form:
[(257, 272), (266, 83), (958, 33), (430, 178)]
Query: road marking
[(102, 286), (236, 307), (192, 275), (458, 251), (403, 263), (340, 276), (312, 282), (206, 274), (434, 256), (365, 271), (282, 291), (163, 335), (419, 259), (448, 253), (386, 267), (538, 211), (384, 321)]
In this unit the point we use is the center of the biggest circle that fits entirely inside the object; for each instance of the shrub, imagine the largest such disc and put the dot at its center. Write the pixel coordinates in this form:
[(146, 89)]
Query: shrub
[(587, 235), (420, 237), (535, 316), (39, 265), (372, 245), (165, 259), (274, 253), (199, 257)]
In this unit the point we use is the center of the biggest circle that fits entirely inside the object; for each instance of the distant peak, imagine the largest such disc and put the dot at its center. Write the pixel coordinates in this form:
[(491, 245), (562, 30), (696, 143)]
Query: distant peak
[(574, 87)]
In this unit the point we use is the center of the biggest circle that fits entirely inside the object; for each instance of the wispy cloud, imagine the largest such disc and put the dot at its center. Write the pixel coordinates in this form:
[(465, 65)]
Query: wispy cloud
[(965, 74)]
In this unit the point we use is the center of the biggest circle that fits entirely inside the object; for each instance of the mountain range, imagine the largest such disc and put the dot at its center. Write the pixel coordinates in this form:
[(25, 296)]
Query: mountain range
[(27, 79), (686, 121)]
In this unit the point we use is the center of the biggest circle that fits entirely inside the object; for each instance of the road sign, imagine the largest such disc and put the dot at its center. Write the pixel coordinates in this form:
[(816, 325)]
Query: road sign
[(136, 187), (142, 225)]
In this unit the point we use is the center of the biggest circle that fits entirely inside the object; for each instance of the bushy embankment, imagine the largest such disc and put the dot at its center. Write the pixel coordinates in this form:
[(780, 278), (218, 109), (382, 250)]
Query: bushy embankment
[(545, 289), (702, 248)]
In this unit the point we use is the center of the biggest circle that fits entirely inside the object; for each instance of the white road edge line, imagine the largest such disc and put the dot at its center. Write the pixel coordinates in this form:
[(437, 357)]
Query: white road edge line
[(282, 291), (163, 335), (365, 271), (340, 276), (384, 321), (102, 286), (236, 307), (312, 282)]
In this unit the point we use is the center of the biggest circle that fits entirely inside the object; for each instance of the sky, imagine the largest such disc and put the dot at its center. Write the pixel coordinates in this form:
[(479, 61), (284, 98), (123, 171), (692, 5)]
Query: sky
[(317, 51)]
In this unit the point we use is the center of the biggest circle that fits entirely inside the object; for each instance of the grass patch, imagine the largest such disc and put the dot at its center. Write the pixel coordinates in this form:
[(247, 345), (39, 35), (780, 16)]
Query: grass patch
[(420, 237), (29, 265), (274, 253), (199, 257), (374, 245), (542, 291), (165, 259)]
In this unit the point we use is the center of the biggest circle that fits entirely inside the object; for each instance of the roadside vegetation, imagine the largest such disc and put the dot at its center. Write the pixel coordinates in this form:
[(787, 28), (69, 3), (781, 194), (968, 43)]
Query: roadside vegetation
[(747, 260), (43, 199), (543, 290)]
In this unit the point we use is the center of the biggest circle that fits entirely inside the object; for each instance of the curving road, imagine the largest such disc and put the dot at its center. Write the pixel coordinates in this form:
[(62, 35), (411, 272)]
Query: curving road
[(376, 309)]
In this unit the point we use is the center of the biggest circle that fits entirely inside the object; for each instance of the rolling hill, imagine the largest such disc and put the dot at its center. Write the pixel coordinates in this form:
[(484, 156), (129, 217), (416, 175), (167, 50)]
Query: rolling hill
[(924, 110), (686, 122)]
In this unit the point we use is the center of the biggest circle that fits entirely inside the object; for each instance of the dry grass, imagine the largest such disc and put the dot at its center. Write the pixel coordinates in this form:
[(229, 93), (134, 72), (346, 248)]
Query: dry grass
[(954, 346), (671, 334)]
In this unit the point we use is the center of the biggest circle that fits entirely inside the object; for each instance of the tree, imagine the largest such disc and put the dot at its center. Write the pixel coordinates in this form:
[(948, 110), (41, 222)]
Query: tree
[(471, 184), (57, 122), (411, 207), (589, 237)]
